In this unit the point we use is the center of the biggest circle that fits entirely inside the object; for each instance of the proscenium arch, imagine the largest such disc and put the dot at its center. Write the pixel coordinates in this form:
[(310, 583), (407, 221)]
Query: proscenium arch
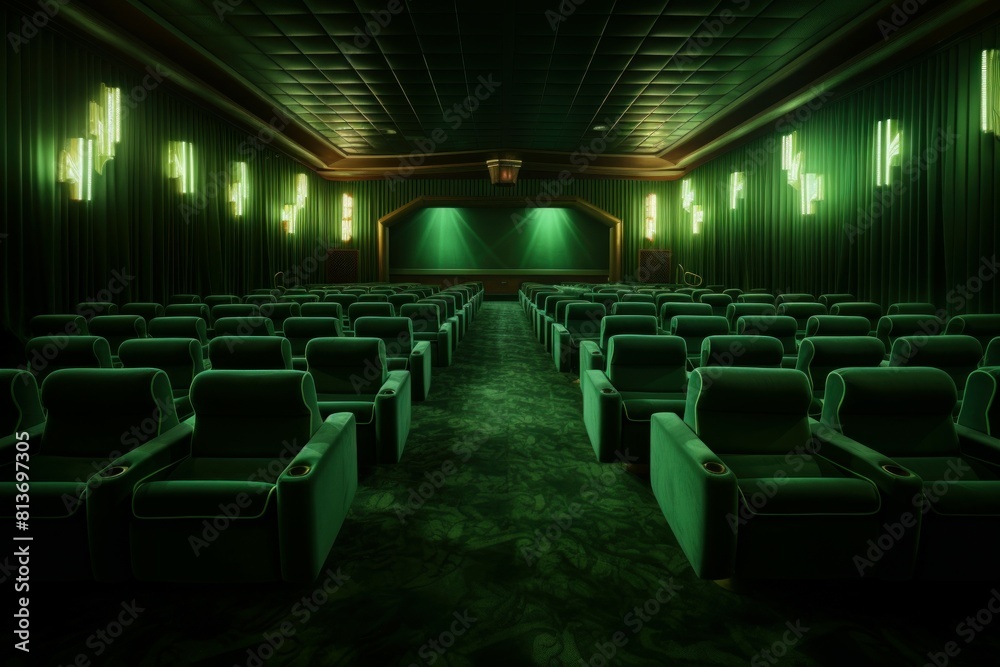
[(388, 220)]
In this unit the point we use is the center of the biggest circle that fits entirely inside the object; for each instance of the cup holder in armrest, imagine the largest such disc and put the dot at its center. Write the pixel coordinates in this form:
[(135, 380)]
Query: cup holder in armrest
[(896, 470), (608, 390), (714, 467), (388, 392), (113, 471), (299, 471)]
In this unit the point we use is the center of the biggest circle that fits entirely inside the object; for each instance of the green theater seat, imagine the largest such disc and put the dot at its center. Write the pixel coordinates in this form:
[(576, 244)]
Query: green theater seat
[(912, 308), (446, 310), (867, 309), (47, 354), (117, 329), (891, 327), (373, 297), (183, 299), (180, 358), (670, 310), (992, 355), (105, 430), (742, 351), (189, 310), (546, 317), (402, 351), (905, 415), (278, 313), (181, 327), (634, 308), (429, 326), (262, 459), (399, 300), (719, 302), (300, 330), (801, 311), (693, 329), (146, 310), (782, 327), (837, 325), (820, 355), (260, 300), (697, 294), (751, 488), (223, 310), (243, 326), (981, 407), (644, 375), (352, 375), (735, 311), (582, 321), (756, 298), (794, 297), (983, 328), (368, 309), (301, 299), (558, 320), (956, 355), (733, 293), (637, 297), (58, 325), (91, 309), (250, 353), (671, 297), (20, 408), (322, 310), (593, 353), (831, 300)]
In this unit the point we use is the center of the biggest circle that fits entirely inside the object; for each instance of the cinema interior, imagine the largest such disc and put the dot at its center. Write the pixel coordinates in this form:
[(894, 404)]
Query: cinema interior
[(560, 332)]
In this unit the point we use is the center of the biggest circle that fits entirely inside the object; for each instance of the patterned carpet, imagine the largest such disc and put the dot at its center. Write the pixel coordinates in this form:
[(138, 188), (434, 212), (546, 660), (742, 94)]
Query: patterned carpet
[(500, 541)]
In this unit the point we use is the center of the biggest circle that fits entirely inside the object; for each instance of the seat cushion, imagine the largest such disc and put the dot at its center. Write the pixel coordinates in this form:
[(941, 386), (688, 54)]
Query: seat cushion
[(839, 495), (636, 408), (362, 407), (57, 484), (208, 487)]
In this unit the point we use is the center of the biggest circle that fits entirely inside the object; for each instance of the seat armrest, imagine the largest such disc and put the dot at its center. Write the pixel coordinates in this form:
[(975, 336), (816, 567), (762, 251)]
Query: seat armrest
[(109, 498), (978, 445), (315, 492), (392, 417), (591, 358), (698, 495), (602, 415)]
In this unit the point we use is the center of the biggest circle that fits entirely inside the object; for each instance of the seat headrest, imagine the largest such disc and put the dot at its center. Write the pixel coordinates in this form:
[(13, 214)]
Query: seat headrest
[(634, 308), (347, 365), (638, 363), (612, 325), (980, 407), (779, 326), (100, 411), (250, 353), (948, 350), (741, 350), (698, 325)]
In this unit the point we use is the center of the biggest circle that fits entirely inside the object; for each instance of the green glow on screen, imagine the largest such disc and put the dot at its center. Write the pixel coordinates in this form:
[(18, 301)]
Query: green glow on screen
[(469, 239)]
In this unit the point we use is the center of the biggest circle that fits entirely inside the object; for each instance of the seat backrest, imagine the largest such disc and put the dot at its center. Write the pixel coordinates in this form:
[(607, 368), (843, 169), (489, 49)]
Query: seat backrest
[(91, 309), (234, 310), (637, 297), (347, 366), (891, 327), (734, 311), (736, 350), (613, 325), (179, 327), (584, 319), (188, 310), (183, 299), (718, 302), (300, 330), (543, 294), (638, 363), (670, 310), (671, 297), (373, 297), (244, 326), (250, 353), (324, 309), (801, 311), (117, 329), (399, 300), (551, 302), (781, 327), (396, 332), (634, 308), (869, 310), (20, 408), (300, 298), (345, 300), (992, 355), (426, 317), (983, 327), (733, 293), (820, 355), (560, 314), (980, 407), (180, 358), (831, 300), (445, 307), (956, 355), (695, 328), (260, 299), (145, 310), (756, 298), (58, 325), (213, 300), (369, 309), (912, 308), (794, 297), (749, 410), (279, 312), (253, 414), (698, 293), (91, 412), (837, 325), (895, 411)]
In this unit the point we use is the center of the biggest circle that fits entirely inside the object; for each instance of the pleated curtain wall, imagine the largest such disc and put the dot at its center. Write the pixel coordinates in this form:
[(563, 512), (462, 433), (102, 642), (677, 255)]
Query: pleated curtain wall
[(930, 235)]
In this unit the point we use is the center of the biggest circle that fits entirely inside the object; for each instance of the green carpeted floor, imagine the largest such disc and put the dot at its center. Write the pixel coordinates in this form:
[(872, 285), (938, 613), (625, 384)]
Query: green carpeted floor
[(500, 541)]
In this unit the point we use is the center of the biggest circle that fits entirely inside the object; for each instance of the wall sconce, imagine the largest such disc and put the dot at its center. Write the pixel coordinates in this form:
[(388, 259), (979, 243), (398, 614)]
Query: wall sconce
[(737, 188), (888, 150), (288, 218), (180, 165), (76, 167), (346, 217), (811, 191), (791, 158), (687, 194), (698, 217), (991, 92), (503, 171), (238, 188), (650, 216), (105, 125), (301, 190)]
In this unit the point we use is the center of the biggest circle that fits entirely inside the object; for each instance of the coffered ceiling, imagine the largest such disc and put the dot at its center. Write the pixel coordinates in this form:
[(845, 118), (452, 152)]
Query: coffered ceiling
[(660, 81)]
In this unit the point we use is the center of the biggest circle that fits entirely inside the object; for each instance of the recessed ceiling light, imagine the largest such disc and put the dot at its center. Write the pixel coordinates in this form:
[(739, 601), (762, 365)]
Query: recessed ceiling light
[(600, 128)]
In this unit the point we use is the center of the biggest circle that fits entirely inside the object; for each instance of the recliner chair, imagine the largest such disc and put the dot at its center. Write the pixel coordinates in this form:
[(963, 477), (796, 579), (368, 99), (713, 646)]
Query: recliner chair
[(582, 322), (867, 309), (402, 351), (983, 328), (428, 326), (250, 353), (368, 309), (837, 325), (820, 355), (117, 329), (47, 354), (743, 351), (300, 330), (146, 310), (593, 353), (58, 325), (693, 329), (283, 477)]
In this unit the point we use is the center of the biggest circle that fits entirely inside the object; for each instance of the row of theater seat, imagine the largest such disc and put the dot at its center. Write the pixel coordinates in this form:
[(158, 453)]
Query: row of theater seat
[(634, 379)]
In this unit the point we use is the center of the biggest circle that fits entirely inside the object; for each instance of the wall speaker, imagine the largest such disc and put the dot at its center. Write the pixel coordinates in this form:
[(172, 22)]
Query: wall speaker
[(655, 266), (341, 265)]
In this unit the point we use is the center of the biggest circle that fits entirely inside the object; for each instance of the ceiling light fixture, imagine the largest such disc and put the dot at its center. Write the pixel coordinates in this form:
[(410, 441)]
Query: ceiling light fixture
[(503, 171)]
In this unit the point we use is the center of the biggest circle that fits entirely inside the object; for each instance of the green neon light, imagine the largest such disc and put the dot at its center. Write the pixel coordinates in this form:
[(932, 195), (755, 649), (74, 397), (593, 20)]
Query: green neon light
[(811, 190), (238, 188), (737, 188), (888, 150), (687, 194), (697, 219)]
